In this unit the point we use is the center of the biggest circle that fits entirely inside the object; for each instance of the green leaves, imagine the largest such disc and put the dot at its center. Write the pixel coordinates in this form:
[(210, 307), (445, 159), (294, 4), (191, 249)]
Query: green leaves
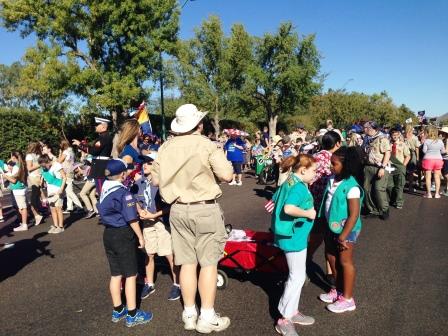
[(109, 48), (346, 108)]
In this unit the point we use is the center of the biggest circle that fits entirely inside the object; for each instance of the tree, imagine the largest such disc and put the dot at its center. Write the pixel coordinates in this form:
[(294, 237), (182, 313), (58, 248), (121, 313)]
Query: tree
[(200, 68), (284, 75), (9, 84), (346, 108), (116, 44)]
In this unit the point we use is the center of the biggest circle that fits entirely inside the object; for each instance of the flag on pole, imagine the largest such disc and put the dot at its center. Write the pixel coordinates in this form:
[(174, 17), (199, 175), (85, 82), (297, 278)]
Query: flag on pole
[(142, 117)]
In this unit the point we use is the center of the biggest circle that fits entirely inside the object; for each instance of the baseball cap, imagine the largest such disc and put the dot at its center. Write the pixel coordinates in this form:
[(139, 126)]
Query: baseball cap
[(371, 124), (116, 166)]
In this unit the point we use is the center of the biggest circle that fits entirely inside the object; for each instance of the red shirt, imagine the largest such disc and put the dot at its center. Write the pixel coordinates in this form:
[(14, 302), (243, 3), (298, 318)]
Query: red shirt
[(323, 173)]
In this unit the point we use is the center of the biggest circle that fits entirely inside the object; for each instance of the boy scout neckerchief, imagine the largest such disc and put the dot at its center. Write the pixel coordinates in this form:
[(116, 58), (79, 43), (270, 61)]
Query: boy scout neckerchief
[(109, 187)]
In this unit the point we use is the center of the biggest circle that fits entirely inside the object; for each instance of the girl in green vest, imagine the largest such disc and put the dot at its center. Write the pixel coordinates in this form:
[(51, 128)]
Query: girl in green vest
[(292, 220), (341, 207), (16, 175), (54, 175)]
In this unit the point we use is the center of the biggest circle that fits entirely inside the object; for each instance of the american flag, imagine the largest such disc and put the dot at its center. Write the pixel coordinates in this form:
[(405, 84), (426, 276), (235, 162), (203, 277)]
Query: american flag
[(269, 206)]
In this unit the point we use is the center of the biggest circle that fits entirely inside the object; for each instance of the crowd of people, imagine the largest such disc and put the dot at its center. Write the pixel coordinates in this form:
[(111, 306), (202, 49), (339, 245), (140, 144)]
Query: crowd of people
[(162, 198)]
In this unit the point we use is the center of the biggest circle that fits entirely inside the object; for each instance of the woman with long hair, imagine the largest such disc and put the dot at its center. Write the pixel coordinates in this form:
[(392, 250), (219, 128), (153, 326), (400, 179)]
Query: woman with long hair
[(33, 153), (16, 175), (128, 149), (433, 148), (127, 145), (67, 159)]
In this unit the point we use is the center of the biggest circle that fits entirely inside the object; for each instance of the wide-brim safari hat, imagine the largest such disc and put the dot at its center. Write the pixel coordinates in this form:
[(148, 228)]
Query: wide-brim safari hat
[(187, 117), (276, 139), (444, 129)]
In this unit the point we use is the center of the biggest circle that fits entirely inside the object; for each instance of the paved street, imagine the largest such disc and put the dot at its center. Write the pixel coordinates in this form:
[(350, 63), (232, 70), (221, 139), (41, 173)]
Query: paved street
[(58, 284)]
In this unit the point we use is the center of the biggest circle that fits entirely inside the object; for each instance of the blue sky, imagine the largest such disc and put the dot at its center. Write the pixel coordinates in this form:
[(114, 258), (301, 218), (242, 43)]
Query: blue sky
[(367, 46)]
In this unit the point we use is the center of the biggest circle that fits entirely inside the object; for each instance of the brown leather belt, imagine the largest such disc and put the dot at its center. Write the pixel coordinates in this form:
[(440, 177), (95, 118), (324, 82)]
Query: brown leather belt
[(199, 202)]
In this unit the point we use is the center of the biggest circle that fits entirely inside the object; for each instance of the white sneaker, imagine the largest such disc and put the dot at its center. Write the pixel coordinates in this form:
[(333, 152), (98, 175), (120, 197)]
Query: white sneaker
[(21, 227), (239, 183), (218, 323), (52, 228), (189, 321), (232, 183), (57, 230), (2, 219), (38, 220)]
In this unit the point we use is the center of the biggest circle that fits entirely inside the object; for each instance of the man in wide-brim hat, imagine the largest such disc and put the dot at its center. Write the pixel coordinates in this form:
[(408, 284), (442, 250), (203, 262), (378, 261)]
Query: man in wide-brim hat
[(186, 169)]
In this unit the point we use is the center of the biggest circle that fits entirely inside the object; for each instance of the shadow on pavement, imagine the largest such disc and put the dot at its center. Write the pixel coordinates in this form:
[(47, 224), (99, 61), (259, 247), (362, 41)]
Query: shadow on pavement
[(24, 252), (74, 217), (266, 192)]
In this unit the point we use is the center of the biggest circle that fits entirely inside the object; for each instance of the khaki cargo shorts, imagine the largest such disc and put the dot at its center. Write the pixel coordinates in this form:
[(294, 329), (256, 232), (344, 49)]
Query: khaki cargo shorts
[(198, 233), (157, 240), (20, 201), (55, 201)]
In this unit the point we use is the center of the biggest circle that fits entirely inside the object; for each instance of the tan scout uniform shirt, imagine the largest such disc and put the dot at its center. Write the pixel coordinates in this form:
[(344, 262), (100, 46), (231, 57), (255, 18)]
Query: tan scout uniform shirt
[(401, 151), (378, 147), (186, 166)]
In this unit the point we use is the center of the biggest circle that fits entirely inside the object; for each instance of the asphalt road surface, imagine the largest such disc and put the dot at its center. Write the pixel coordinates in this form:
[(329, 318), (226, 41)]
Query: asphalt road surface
[(58, 284)]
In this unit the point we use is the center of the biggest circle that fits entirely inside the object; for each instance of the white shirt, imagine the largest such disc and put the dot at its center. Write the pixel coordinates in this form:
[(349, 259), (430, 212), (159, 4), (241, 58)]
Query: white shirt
[(68, 160), (33, 158), (55, 169), (352, 193)]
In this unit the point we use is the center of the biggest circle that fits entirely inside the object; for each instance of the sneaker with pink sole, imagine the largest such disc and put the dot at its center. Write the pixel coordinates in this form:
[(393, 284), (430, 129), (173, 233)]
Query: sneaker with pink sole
[(330, 297), (342, 305), (286, 328)]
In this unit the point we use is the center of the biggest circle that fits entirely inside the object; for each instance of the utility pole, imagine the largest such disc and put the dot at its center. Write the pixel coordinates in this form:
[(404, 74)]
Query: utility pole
[(162, 104)]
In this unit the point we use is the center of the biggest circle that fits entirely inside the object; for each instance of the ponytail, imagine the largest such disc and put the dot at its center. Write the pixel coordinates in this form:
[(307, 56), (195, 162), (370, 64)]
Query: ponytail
[(296, 162), (21, 175)]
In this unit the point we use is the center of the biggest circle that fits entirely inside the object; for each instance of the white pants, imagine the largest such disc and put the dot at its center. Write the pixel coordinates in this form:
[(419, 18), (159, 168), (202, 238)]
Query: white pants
[(71, 196), (289, 302)]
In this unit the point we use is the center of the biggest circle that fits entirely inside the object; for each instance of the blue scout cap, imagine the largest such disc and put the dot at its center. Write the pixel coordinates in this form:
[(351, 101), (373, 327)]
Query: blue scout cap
[(116, 166)]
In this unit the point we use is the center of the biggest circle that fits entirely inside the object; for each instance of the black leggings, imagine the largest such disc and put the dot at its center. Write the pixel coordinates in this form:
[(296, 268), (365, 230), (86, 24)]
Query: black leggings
[(35, 197)]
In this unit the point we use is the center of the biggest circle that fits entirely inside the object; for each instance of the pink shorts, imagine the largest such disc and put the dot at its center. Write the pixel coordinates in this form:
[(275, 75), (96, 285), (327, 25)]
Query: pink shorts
[(432, 164)]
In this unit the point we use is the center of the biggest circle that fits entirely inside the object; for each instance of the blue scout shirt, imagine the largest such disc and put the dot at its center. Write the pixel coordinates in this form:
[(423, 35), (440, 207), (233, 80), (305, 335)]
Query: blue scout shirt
[(117, 205), (234, 154), (147, 196), (291, 233)]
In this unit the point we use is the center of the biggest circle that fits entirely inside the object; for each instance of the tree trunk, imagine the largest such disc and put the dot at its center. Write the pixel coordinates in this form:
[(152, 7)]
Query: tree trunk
[(114, 115), (215, 124), (215, 121), (273, 125)]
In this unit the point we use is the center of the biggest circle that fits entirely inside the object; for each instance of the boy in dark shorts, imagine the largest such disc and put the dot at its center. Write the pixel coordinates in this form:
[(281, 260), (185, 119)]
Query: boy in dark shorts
[(119, 216)]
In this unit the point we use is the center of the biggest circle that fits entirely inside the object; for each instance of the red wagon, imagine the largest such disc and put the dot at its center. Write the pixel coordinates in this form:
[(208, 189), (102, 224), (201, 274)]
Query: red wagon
[(247, 251)]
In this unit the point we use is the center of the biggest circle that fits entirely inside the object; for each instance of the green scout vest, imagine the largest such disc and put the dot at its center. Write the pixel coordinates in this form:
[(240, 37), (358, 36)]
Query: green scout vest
[(14, 186), (50, 178), (291, 233), (339, 206)]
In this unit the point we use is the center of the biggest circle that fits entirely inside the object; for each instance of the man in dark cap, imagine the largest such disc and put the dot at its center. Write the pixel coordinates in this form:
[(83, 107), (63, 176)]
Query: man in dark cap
[(100, 150)]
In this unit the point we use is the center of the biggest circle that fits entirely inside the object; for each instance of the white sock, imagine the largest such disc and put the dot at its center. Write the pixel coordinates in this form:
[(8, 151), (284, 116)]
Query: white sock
[(149, 284), (177, 285), (207, 314), (190, 311)]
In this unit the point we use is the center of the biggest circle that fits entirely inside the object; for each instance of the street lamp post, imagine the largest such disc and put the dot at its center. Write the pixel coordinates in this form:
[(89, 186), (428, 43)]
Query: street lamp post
[(162, 104)]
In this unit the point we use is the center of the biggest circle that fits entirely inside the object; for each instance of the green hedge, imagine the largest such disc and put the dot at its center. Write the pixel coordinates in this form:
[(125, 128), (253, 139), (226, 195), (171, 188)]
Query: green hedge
[(19, 127)]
